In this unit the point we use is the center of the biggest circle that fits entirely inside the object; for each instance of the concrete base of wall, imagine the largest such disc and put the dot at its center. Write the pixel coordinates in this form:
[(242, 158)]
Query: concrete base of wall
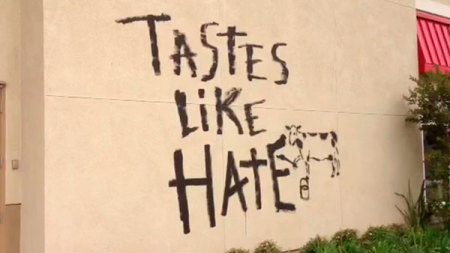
[(11, 235)]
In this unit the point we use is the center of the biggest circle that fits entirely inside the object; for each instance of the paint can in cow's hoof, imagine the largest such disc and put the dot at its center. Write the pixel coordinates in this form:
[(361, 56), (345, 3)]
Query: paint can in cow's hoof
[(304, 188)]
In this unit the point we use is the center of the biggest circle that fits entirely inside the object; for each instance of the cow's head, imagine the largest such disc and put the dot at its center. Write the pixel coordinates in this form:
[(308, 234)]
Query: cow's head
[(293, 134)]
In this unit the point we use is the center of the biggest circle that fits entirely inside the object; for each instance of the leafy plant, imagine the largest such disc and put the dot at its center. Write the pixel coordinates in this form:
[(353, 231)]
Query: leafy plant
[(314, 245), (383, 239), (441, 213), (437, 162), (345, 235), (396, 229), (268, 247), (416, 212), (382, 233), (430, 106)]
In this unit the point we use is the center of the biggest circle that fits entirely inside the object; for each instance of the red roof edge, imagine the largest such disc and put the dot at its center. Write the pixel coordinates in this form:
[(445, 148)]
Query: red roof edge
[(434, 17)]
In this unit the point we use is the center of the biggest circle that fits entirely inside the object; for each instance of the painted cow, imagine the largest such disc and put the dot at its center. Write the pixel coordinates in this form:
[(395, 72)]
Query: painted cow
[(328, 152)]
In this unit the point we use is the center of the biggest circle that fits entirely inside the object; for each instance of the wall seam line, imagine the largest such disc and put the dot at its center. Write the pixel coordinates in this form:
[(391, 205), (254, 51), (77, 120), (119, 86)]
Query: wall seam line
[(232, 106)]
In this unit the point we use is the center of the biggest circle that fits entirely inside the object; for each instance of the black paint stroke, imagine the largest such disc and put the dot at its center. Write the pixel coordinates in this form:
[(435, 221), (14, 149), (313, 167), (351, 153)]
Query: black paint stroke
[(255, 163), (284, 69), (224, 106), (180, 182), (180, 100), (284, 158), (304, 188), (231, 42), (271, 149), (209, 187), (181, 43), (238, 186), (215, 52), (323, 136), (249, 48), (250, 118), (203, 111), (151, 22)]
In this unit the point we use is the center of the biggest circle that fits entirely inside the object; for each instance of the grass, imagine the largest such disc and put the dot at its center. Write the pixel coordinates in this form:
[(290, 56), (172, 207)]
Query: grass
[(383, 239)]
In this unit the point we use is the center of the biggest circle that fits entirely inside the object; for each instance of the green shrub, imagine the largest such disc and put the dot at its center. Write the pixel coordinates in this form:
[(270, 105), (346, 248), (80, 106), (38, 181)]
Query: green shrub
[(268, 247), (314, 245), (346, 241), (328, 248), (383, 247), (344, 236), (377, 234), (398, 229), (429, 103), (437, 162), (389, 239), (428, 240), (237, 250), (416, 213), (351, 246)]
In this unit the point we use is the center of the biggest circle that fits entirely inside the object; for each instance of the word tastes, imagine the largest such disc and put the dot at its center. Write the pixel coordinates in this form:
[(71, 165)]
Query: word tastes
[(183, 50)]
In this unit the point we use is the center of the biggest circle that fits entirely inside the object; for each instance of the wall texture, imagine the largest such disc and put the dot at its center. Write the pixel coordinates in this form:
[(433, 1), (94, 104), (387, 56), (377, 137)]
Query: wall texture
[(32, 210), (10, 183), (10, 73), (12, 226), (112, 138)]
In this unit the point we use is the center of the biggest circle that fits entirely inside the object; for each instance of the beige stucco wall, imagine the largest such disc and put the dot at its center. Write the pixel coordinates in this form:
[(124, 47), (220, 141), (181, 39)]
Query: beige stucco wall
[(111, 125), (32, 211), (10, 73)]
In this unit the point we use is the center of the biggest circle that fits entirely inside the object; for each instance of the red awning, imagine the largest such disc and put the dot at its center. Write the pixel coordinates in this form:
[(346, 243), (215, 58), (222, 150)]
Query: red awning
[(433, 34)]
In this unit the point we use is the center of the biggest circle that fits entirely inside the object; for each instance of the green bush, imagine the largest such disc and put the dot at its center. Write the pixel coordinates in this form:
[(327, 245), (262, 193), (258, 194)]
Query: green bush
[(345, 235), (268, 247), (394, 238), (383, 239), (429, 103), (346, 241), (428, 240), (437, 162), (397, 229), (380, 233), (314, 245), (417, 213)]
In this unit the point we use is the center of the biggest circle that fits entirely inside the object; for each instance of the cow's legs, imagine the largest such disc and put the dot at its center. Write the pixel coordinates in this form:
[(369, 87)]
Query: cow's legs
[(338, 166), (307, 165), (335, 163), (333, 172), (331, 158)]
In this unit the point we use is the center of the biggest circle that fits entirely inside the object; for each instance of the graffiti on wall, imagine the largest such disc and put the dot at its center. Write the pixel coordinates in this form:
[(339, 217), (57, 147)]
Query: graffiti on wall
[(291, 151)]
